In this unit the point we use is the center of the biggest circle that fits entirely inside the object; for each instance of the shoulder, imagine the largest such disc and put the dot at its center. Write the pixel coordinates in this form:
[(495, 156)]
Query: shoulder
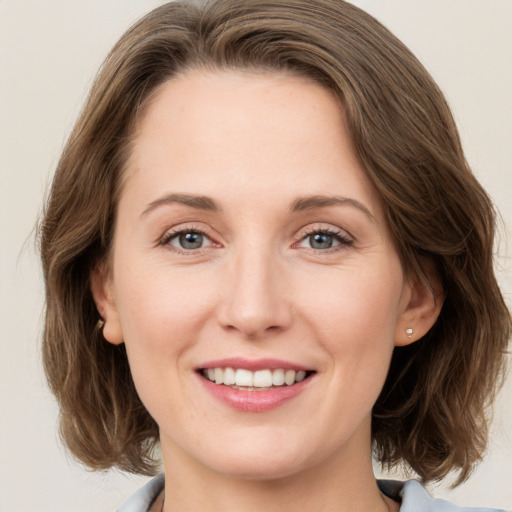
[(415, 498), (144, 497)]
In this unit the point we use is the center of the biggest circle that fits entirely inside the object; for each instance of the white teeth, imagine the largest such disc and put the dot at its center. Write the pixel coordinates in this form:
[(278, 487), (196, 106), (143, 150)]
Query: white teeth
[(258, 380), (219, 375), (262, 379), (289, 377), (301, 375), (229, 376), (243, 377), (278, 377)]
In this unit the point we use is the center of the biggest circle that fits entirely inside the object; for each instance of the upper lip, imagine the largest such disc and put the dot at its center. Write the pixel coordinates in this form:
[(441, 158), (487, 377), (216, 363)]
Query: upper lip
[(253, 364)]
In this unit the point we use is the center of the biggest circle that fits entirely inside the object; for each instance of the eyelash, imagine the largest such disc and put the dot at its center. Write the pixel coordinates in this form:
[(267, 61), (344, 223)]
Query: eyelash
[(170, 235), (339, 235)]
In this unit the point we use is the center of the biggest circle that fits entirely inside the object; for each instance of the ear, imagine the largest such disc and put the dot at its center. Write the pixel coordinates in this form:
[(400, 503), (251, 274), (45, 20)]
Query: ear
[(422, 304), (102, 289)]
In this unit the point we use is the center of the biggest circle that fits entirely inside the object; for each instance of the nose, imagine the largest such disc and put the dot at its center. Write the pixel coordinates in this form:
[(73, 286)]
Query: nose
[(254, 299)]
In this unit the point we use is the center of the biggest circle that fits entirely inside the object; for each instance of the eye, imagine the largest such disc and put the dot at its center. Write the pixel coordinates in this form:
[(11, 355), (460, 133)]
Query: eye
[(321, 241), (187, 240), (190, 240), (324, 239)]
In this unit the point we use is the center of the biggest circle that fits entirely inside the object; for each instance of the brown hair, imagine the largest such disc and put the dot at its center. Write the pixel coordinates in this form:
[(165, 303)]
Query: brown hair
[(431, 412)]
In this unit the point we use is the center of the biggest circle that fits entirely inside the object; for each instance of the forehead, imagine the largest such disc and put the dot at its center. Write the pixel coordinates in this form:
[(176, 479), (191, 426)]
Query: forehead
[(197, 104), (274, 131)]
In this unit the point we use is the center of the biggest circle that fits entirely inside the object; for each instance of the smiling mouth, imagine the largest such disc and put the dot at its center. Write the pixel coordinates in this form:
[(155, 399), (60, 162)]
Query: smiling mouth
[(259, 380)]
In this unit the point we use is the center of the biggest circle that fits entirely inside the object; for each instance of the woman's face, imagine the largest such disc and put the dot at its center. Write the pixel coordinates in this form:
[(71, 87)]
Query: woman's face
[(249, 238)]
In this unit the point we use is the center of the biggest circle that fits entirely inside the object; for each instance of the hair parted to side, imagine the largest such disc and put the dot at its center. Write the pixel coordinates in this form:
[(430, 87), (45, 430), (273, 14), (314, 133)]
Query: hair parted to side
[(431, 412)]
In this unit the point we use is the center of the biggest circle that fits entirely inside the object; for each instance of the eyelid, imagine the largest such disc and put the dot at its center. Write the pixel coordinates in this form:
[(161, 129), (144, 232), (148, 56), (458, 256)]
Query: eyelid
[(342, 235), (319, 227), (174, 231)]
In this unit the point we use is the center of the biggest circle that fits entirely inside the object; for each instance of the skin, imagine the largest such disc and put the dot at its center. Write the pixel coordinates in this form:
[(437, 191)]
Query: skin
[(257, 287)]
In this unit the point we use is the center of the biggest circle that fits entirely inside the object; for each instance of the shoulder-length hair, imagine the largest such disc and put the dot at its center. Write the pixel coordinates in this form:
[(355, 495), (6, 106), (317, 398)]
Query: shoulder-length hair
[(431, 413)]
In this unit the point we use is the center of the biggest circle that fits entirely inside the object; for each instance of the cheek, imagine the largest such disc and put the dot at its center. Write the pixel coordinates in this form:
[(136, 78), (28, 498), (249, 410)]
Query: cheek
[(354, 315), (162, 313), (161, 310), (362, 302)]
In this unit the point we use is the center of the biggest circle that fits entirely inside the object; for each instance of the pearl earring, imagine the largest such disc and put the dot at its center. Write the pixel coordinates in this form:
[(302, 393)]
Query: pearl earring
[(409, 332)]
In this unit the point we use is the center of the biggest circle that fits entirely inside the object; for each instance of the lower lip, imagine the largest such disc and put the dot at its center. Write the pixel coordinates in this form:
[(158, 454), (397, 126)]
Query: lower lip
[(254, 401)]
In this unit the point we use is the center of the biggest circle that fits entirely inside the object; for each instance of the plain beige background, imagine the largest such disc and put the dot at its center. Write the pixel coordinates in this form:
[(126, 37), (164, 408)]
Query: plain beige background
[(49, 52)]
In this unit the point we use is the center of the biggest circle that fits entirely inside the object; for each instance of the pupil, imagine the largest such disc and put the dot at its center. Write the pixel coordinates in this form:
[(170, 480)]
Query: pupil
[(191, 240), (320, 241)]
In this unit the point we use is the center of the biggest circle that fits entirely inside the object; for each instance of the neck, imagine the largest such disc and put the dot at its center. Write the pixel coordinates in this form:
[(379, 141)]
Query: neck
[(341, 484)]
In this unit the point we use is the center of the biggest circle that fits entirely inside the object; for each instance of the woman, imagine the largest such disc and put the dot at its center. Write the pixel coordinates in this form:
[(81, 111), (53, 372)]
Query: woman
[(264, 250)]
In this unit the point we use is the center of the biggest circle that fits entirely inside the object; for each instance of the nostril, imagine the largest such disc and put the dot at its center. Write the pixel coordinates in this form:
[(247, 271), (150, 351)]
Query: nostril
[(253, 301)]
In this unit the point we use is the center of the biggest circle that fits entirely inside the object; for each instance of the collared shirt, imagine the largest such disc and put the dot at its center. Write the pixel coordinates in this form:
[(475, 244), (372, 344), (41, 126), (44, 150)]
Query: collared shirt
[(411, 494)]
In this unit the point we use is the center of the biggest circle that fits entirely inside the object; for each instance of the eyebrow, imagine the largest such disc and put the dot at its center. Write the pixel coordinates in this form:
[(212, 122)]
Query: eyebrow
[(318, 201), (301, 204), (193, 201)]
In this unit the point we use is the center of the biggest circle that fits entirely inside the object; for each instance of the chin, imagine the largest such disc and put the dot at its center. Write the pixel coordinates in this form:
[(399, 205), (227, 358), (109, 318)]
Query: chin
[(260, 470), (261, 463)]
